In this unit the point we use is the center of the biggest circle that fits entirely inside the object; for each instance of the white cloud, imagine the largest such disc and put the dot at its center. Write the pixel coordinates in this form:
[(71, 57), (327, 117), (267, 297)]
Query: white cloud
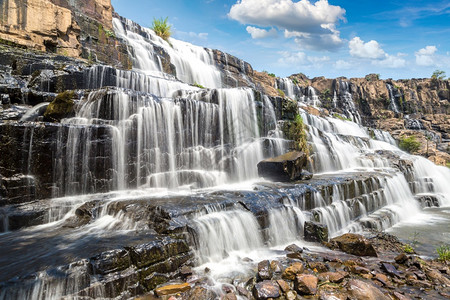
[(391, 61), (342, 65), (309, 23), (300, 58), (370, 49), (192, 35), (426, 56), (258, 33)]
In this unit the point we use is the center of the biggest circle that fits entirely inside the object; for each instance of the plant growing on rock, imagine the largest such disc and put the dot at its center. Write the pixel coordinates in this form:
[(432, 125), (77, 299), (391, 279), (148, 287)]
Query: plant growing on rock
[(162, 28), (444, 252), (281, 93), (297, 133), (409, 144)]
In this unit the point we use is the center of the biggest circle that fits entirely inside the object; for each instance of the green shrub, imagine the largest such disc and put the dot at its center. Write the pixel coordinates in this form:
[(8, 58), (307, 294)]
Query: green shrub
[(297, 133), (295, 81), (444, 252), (162, 28), (409, 144), (198, 85), (438, 75), (271, 75), (281, 93)]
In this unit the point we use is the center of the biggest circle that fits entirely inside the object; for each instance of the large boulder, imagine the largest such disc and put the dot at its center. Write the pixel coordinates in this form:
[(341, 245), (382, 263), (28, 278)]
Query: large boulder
[(354, 244), (284, 168)]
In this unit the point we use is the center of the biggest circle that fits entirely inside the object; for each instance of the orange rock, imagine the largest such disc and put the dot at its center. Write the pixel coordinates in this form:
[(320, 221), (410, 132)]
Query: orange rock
[(172, 289)]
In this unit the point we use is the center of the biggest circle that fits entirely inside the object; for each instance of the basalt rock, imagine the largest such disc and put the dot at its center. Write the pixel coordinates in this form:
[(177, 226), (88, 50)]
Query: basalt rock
[(287, 167)]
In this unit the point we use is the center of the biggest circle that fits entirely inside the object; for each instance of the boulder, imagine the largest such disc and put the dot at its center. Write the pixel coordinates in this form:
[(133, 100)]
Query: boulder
[(358, 289), (266, 289), (293, 270), (283, 168), (334, 277), (264, 270), (306, 284), (315, 232), (354, 244)]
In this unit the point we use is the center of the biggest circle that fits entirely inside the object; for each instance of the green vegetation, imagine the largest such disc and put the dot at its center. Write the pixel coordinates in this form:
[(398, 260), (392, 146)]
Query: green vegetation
[(198, 85), (341, 117), (444, 252), (295, 81), (409, 247), (281, 93), (271, 75), (373, 77), (61, 107), (162, 28), (409, 144), (438, 75), (297, 133)]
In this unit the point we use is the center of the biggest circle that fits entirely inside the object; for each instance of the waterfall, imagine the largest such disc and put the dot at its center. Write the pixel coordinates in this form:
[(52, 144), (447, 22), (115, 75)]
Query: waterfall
[(392, 104), (346, 102)]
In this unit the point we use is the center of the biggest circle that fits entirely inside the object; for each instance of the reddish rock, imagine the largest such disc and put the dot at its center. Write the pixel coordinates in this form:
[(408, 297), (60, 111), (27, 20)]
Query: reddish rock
[(293, 270), (172, 289), (264, 271), (335, 277), (283, 285), (306, 284)]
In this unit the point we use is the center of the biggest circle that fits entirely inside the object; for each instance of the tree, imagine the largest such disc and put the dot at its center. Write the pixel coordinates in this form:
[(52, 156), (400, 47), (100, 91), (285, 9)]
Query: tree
[(162, 28), (438, 75)]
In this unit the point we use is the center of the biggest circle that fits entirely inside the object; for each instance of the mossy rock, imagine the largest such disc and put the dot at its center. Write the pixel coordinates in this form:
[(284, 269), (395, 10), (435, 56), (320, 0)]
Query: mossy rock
[(61, 107)]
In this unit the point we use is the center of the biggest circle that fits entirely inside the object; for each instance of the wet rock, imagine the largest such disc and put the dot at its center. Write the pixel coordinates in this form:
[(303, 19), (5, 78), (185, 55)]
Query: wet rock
[(283, 285), (398, 296), (401, 258), (61, 107), (291, 295), (294, 255), (315, 232), (354, 244), (318, 267), (266, 289), (361, 290), (172, 289), (276, 267), (201, 293), (390, 269), (291, 272), (293, 248), (334, 277), (153, 280), (157, 251), (111, 261), (436, 276), (229, 296), (287, 167), (306, 284), (264, 270)]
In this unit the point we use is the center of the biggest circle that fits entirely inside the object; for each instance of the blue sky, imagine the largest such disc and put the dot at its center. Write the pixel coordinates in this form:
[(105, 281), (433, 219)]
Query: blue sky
[(397, 39)]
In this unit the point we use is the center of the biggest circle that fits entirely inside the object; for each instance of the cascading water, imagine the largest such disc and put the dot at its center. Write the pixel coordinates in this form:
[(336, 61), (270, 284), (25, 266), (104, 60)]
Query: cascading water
[(392, 104)]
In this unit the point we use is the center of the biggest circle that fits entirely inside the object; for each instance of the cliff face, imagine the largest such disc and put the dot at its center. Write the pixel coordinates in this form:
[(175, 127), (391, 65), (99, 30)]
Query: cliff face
[(73, 28)]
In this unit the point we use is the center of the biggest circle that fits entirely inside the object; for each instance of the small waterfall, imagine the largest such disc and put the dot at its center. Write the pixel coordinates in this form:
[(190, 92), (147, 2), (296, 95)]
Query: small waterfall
[(33, 113), (392, 104), (346, 102), (222, 232), (285, 225)]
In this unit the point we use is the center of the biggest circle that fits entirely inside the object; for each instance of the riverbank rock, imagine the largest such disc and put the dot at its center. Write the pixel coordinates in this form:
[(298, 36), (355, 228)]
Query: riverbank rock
[(358, 289), (315, 232), (172, 289), (266, 289), (354, 244), (283, 168), (306, 284)]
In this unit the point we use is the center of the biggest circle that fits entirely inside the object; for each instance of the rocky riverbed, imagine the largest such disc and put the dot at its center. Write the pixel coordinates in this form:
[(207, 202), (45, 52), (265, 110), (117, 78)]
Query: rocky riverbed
[(299, 273)]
